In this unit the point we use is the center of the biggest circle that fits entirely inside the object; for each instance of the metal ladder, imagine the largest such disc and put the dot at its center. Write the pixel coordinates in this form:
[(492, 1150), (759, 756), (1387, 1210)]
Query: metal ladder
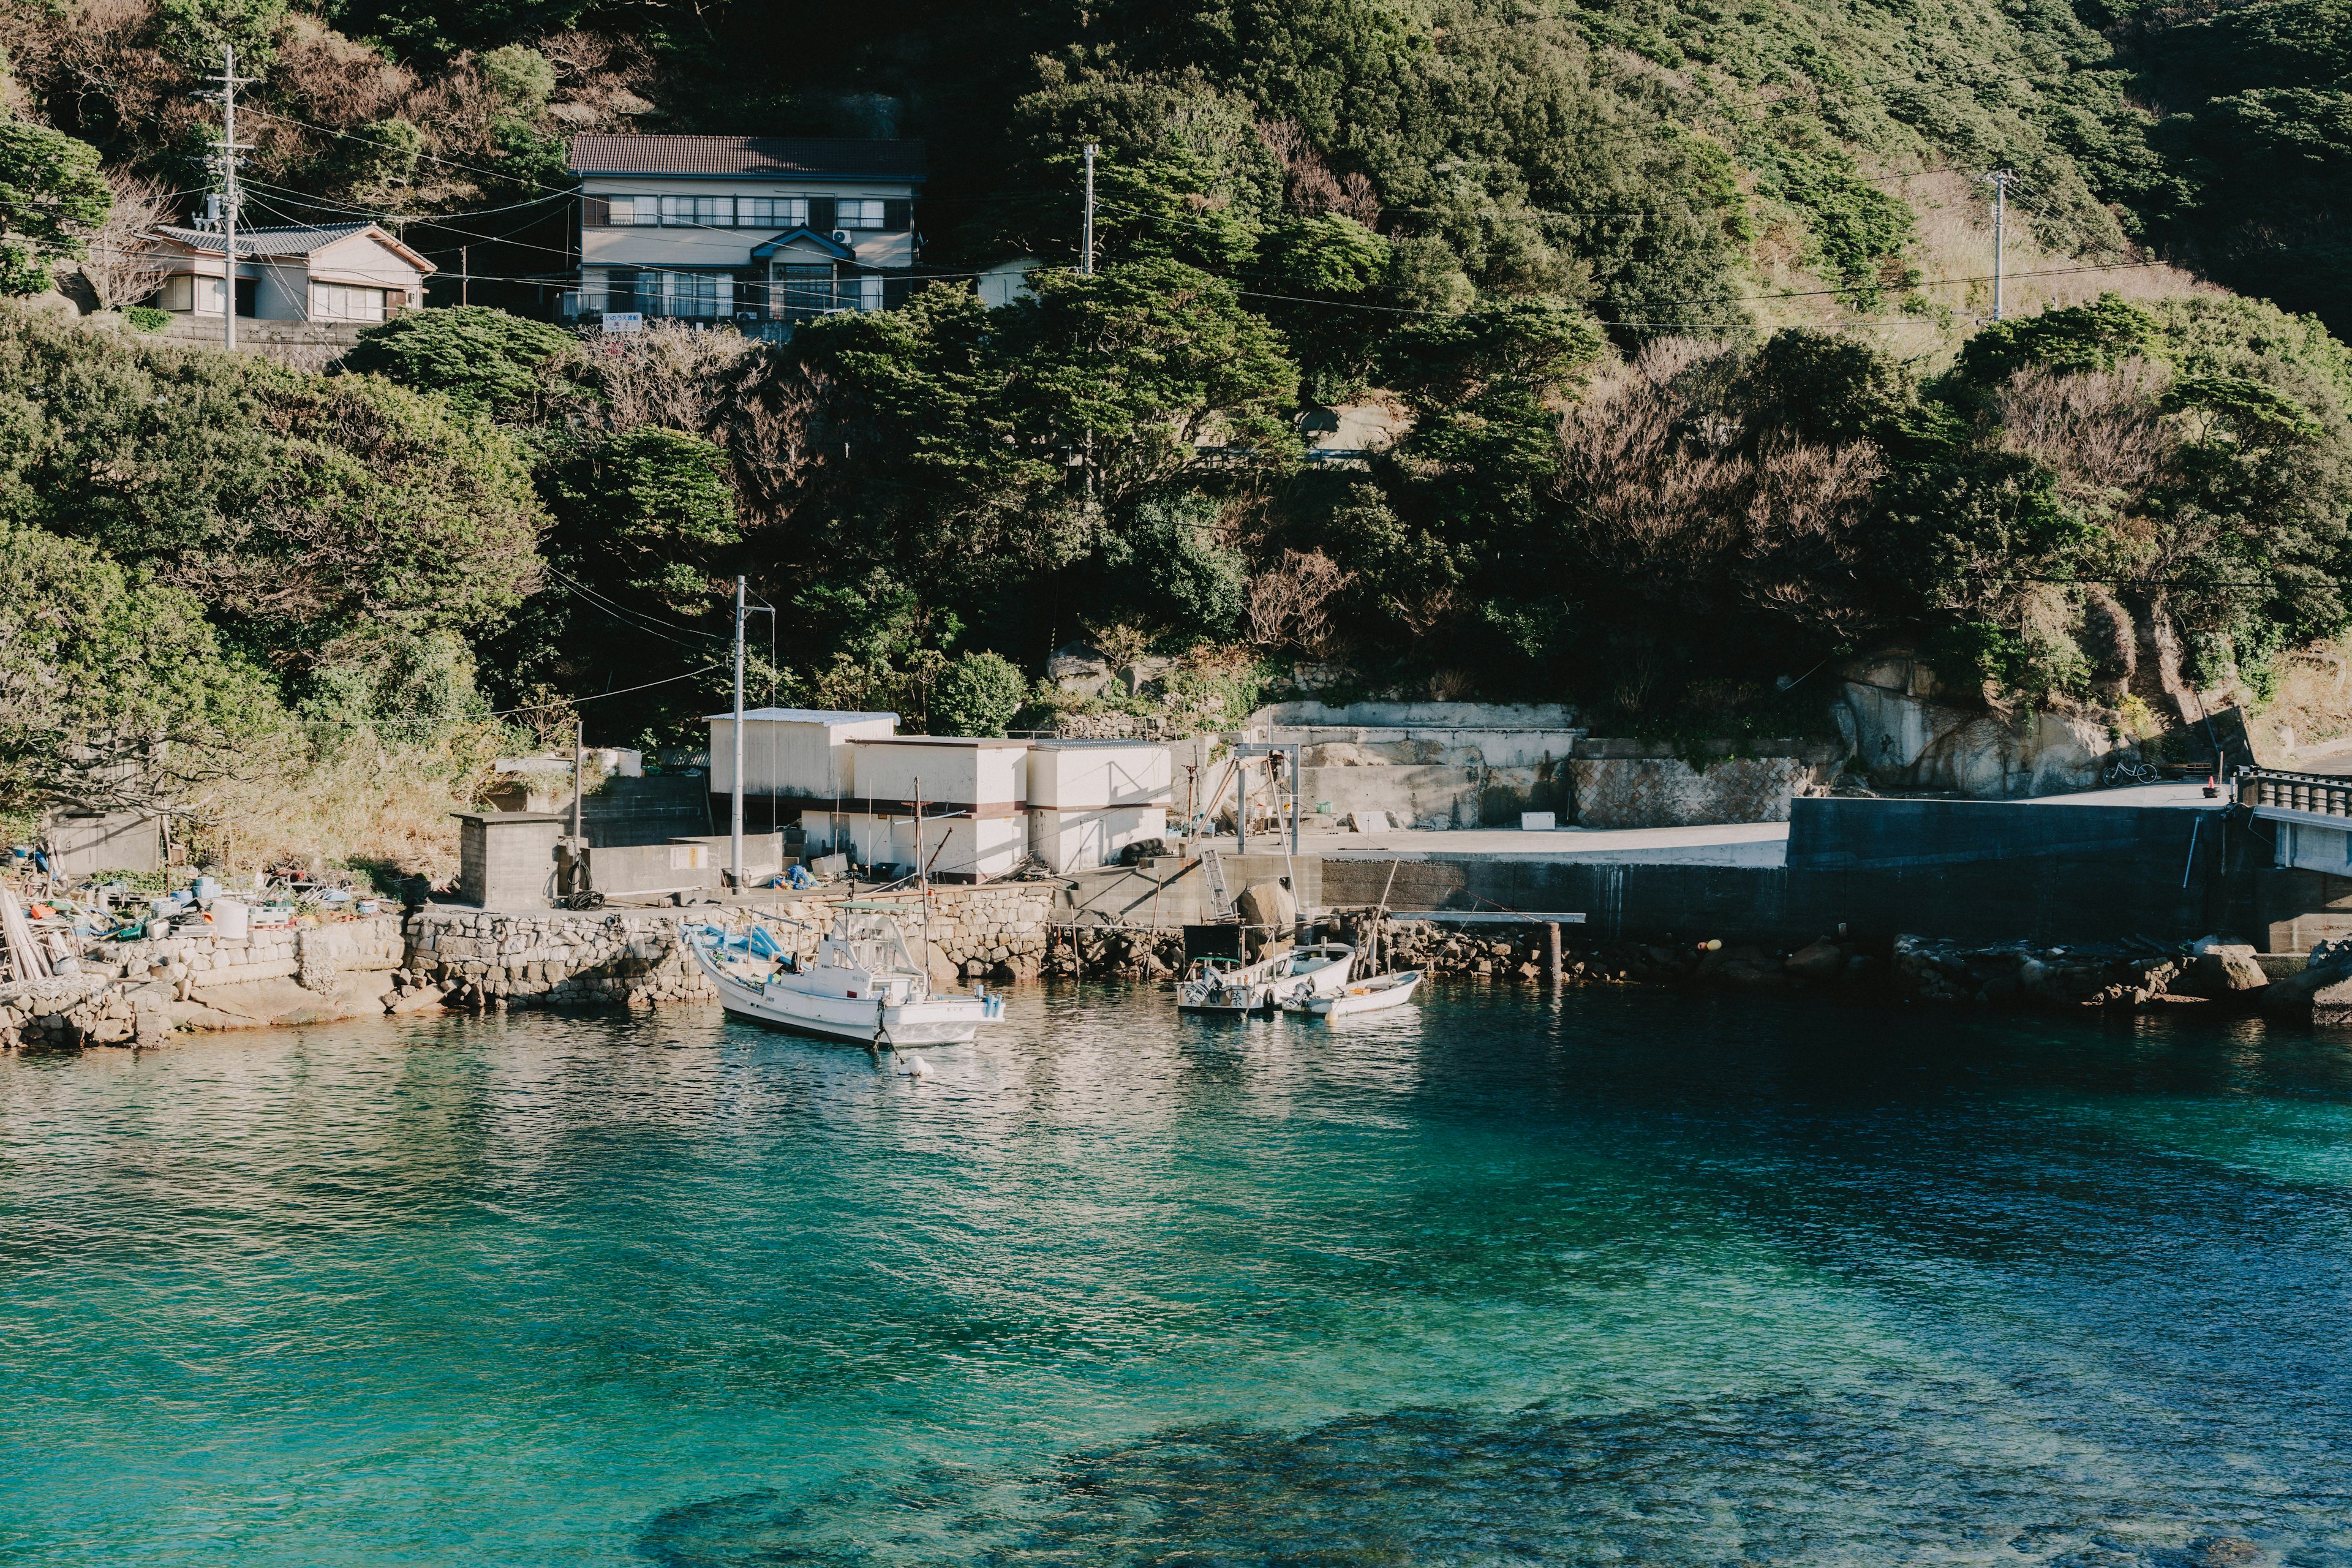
[(1220, 901)]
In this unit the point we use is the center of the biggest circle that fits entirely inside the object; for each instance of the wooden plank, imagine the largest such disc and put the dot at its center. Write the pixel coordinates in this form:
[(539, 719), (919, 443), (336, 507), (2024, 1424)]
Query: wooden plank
[(1489, 916), (24, 948)]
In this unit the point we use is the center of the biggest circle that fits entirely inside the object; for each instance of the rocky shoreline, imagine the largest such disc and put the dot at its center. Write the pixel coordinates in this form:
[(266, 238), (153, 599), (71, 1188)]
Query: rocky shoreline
[(140, 993)]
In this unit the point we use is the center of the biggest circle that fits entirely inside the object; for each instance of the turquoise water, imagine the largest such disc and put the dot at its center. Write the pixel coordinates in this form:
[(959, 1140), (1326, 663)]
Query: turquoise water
[(1633, 1279)]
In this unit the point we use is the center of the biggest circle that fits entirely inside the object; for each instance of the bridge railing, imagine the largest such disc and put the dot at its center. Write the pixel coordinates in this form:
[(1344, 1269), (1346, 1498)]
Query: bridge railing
[(2321, 795)]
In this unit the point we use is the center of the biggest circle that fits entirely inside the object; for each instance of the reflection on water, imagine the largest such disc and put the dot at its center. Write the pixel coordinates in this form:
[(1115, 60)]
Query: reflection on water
[(1496, 1279)]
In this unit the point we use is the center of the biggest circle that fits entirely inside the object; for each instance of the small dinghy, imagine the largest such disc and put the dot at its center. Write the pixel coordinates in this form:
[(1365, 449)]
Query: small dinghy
[(861, 985), (1221, 986), (1365, 996)]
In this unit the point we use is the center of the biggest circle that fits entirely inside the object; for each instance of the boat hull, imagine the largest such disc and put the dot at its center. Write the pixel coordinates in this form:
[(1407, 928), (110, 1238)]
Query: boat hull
[(897, 1027), (932, 1021), (1364, 996)]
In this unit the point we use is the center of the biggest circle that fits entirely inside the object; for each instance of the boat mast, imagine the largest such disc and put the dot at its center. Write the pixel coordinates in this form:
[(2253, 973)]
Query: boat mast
[(735, 815), (923, 885)]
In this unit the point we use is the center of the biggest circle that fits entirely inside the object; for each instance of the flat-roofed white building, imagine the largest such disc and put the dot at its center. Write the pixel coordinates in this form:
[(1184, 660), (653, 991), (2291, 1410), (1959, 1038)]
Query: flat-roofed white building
[(1090, 799), (974, 794), (796, 760)]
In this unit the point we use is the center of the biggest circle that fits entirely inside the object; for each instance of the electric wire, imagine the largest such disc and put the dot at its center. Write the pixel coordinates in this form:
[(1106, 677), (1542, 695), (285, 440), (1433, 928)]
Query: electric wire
[(599, 696)]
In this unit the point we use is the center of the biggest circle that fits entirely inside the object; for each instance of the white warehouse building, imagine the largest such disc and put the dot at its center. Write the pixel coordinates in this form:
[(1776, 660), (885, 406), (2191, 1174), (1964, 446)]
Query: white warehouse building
[(852, 780)]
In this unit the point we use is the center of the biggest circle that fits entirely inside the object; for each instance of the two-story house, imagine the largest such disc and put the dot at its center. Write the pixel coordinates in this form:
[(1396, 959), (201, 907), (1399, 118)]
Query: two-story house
[(762, 231)]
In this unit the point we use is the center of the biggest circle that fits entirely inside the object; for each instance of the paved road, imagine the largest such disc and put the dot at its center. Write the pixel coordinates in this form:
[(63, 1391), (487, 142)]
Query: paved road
[(1727, 844)]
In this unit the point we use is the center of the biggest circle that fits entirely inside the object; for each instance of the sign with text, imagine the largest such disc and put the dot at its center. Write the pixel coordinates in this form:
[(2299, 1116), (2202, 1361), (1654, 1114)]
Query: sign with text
[(624, 322)]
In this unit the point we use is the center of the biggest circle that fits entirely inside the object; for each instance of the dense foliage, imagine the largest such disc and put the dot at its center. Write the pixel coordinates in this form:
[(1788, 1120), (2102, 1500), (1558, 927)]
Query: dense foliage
[(1616, 278)]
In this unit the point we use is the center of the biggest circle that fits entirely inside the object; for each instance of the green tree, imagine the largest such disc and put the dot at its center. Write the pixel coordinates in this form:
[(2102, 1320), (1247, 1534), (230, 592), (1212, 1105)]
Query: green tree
[(480, 359), (978, 694), (51, 196), (193, 31), (648, 513), (300, 508), (1192, 365), (114, 689)]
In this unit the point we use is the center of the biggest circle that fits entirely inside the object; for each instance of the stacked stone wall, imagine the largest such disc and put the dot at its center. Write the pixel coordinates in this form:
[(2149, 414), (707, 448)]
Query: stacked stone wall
[(638, 958), (140, 990)]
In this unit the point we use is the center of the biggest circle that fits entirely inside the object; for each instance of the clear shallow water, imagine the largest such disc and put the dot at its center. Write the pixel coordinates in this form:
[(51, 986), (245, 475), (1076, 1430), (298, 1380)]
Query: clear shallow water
[(1626, 1280)]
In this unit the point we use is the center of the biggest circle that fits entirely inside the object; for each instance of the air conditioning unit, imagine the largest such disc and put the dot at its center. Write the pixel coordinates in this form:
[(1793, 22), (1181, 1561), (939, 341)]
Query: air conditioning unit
[(841, 236)]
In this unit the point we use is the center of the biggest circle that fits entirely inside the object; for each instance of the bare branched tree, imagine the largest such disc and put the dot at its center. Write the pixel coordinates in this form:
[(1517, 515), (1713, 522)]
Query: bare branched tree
[(1289, 603), (124, 265)]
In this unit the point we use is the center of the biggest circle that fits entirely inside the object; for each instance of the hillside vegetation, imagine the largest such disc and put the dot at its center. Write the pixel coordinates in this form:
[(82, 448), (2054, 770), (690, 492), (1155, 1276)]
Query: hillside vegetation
[(1683, 309)]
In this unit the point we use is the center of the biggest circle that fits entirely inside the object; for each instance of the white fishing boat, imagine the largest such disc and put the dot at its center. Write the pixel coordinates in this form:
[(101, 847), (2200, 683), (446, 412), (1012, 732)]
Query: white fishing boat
[(1364, 995), (861, 983), (1220, 985)]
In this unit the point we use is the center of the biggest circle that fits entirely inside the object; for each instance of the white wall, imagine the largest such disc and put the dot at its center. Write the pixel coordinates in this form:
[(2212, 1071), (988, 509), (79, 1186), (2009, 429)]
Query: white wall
[(955, 848), (681, 245), (1081, 840), (1088, 775), (798, 759), (365, 260), (976, 772)]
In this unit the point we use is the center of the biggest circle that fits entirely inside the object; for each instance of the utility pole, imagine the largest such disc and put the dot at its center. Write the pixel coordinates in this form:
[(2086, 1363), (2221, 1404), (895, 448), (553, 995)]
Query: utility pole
[(464, 277), (229, 147), (2001, 178), (735, 826), (1087, 244)]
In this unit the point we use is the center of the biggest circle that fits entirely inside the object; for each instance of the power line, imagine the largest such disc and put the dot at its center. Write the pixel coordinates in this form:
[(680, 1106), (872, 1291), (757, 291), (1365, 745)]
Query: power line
[(599, 696)]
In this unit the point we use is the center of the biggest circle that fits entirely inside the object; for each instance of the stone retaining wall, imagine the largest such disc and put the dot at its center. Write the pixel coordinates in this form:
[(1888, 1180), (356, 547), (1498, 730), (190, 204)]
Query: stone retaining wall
[(636, 958), (140, 991)]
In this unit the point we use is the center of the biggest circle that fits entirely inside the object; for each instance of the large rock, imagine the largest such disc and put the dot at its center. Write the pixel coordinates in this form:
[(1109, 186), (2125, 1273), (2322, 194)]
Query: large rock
[(2219, 969), (2298, 997), (1268, 904), (1816, 962)]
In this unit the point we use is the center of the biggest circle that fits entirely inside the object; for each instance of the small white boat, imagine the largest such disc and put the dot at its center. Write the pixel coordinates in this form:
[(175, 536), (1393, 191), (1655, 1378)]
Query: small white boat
[(1220, 985), (861, 985), (1365, 996)]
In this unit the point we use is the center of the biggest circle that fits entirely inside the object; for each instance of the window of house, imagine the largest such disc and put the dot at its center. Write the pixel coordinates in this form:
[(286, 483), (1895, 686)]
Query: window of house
[(868, 292), (807, 291), (771, 212), (697, 294), (178, 294), (697, 212), (632, 212), (621, 290), (344, 302), (858, 213)]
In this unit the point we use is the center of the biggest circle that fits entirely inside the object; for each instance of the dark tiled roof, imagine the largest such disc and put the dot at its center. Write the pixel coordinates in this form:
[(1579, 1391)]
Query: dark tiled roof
[(267, 241), (814, 157)]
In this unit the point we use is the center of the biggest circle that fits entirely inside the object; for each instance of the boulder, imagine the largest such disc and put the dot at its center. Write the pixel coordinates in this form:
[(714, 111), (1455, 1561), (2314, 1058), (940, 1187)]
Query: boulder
[(1816, 962), (2220, 973), (2298, 997), (1269, 905)]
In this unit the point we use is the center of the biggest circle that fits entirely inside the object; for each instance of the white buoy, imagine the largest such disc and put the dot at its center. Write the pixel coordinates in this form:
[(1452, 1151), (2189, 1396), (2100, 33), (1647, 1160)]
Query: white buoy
[(916, 1068)]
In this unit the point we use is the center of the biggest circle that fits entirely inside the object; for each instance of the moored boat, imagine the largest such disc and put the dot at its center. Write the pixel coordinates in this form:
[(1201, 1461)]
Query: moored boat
[(1364, 995), (1221, 986), (861, 983)]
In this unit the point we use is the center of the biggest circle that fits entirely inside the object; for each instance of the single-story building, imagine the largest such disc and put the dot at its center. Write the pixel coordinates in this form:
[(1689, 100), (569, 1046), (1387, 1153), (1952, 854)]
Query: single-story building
[(353, 272)]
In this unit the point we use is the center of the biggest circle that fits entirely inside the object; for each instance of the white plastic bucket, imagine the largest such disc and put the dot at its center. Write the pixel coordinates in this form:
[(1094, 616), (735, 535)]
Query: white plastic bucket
[(229, 919)]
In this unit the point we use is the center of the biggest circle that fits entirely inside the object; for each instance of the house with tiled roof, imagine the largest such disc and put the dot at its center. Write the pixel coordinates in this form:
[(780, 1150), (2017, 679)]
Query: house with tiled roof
[(334, 273), (761, 231)]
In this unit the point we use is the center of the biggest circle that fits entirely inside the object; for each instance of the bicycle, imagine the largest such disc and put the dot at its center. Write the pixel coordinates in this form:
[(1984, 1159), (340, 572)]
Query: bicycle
[(2128, 772)]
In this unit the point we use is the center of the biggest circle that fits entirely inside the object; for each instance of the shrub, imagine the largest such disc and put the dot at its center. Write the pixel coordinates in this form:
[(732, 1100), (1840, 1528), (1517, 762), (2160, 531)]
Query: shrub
[(978, 694), (146, 317)]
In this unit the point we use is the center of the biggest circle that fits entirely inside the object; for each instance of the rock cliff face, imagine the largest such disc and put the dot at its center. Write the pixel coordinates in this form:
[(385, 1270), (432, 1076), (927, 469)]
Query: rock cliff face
[(1904, 738)]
